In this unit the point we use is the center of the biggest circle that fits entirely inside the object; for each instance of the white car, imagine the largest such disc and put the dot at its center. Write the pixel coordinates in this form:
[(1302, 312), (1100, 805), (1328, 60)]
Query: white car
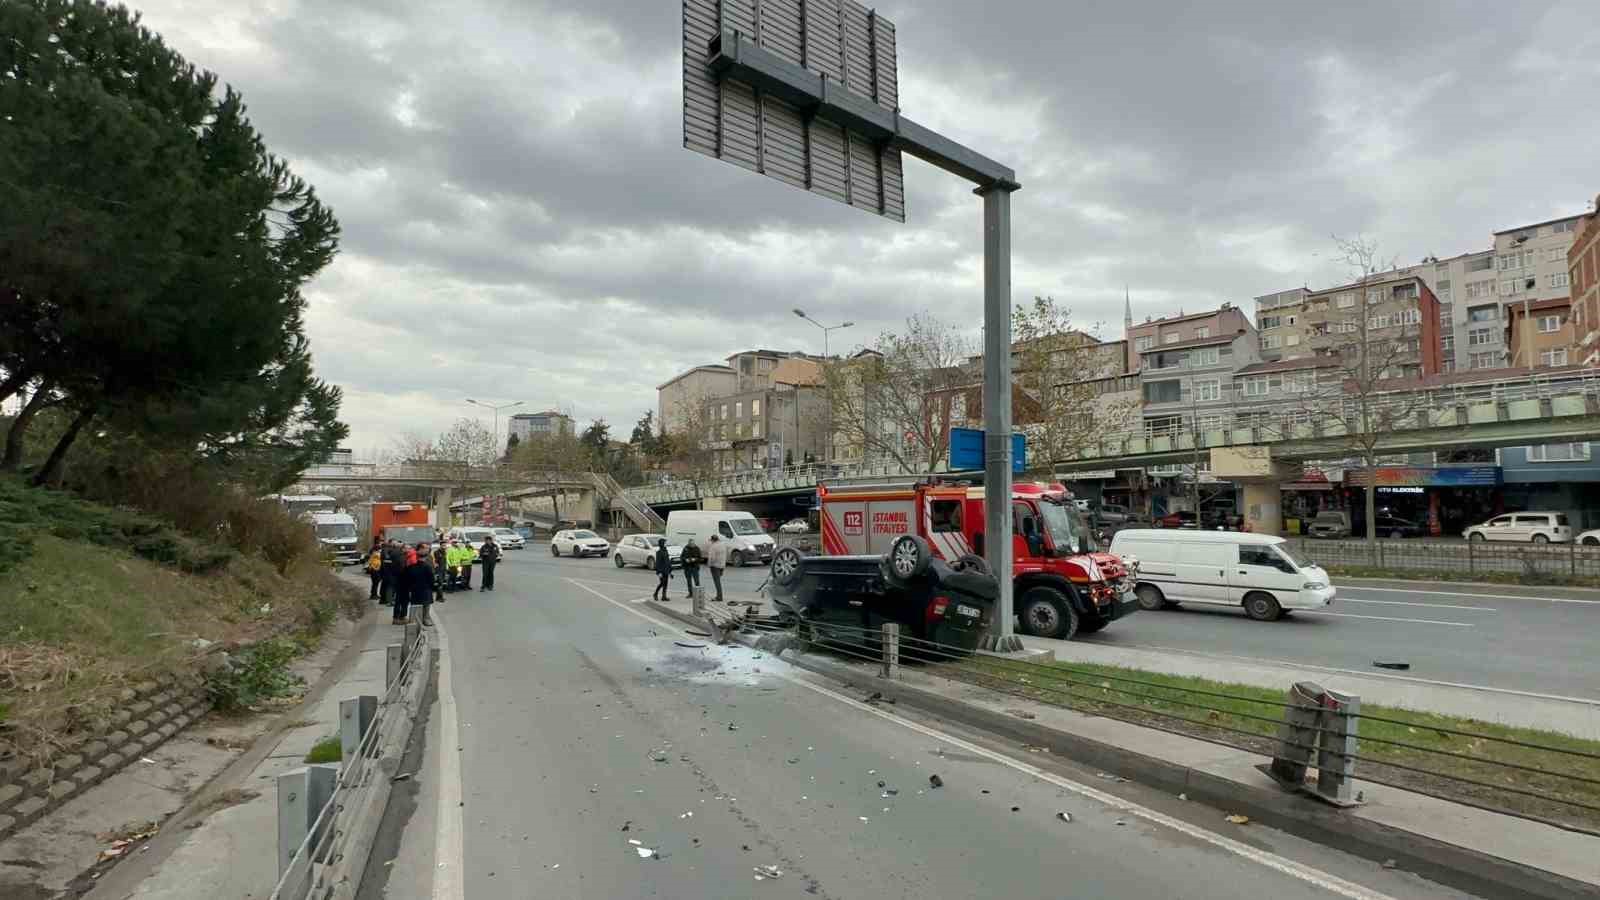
[(579, 542), (473, 535), (640, 550), (1526, 527), (509, 540), (1590, 538), (795, 526)]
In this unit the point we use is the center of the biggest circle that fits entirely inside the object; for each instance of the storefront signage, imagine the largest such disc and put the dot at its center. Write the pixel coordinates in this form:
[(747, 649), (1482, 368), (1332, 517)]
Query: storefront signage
[(1423, 476), (1401, 490)]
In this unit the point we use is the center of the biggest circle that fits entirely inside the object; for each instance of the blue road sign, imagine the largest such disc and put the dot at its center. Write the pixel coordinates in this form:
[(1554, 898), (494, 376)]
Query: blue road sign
[(966, 450)]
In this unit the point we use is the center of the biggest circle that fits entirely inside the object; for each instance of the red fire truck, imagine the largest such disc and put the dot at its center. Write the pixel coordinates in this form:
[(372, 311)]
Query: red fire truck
[(1062, 586)]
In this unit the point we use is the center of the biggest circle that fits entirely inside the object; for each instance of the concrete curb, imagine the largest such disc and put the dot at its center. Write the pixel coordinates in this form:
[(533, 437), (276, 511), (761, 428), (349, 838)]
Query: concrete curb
[(1459, 867)]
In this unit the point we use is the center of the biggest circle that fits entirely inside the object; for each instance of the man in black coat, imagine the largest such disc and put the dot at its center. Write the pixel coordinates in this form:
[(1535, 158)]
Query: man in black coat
[(394, 564), (663, 571), (488, 557), (419, 574), (692, 559)]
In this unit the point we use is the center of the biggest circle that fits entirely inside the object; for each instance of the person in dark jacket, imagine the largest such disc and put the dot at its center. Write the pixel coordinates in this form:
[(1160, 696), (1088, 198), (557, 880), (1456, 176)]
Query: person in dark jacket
[(419, 572), (692, 559), (402, 586), (488, 557), (663, 571), (394, 562), (441, 572)]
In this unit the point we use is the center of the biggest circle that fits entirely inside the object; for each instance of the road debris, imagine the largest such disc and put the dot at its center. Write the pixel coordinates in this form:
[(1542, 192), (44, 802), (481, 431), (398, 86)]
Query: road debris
[(646, 853), (1238, 819), (1016, 809), (626, 826), (688, 646), (1064, 816), (862, 818), (765, 872), (1401, 666), (936, 781), (794, 760), (732, 727), (1183, 796), (659, 756), (693, 632), (403, 776), (594, 788), (1022, 714), (1390, 864), (687, 815)]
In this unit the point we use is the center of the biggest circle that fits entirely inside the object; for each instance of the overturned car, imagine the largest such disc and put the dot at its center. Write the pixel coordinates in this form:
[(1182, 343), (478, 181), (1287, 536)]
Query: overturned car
[(942, 609)]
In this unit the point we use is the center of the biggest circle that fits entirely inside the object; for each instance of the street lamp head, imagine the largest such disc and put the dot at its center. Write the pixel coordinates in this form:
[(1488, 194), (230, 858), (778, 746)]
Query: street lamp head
[(472, 401), (518, 403), (846, 324), (800, 312)]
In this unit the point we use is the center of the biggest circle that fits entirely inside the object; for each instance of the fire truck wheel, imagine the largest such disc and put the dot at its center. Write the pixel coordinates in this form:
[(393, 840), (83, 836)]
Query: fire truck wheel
[(1046, 612), (786, 566), (972, 562), (908, 557)]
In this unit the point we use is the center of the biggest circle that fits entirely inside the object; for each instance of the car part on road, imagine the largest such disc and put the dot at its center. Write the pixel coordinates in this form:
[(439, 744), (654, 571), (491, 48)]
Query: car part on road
[(1402, 666)]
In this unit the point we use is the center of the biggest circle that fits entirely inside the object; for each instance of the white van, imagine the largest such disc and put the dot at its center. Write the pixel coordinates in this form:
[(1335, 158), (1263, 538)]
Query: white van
[(746, 542), (1259, 572)]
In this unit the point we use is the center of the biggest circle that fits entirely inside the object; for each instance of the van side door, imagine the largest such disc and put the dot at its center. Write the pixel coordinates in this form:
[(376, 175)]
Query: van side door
[(1203, 571), (1261, 569)]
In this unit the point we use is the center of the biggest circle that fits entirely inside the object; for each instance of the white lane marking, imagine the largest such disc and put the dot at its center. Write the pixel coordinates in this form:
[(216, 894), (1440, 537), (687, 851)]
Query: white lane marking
[(1279, 864), (1257, 660), (449, 874), (1318, 612), (1344, 599), (1384, 590)]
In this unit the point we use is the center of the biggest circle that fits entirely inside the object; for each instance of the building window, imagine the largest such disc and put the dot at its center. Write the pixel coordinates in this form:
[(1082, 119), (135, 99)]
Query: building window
[(1169, 338), (1374, 295), (724, 410), (1205, 356), (738, 409), (1409, 317), (1509, 286), (1270, 342), (1555, 254), (1348, 327), (755, 429), (1404, 292), (1442, 287), (1377, 322), (1479, 336), (1549, 324), (1145, 342), (958, 407), (1577, 452), (1204, 331), (1448, 365), (1255, 387), (1345, 300), (1556, 357), (1291, 340), (1560, 280), (1163, 391), (740, 429), (755, 408), (1210, 389), (1270, 321), (1486, 360), (1483, 314), (1561, 227), (1477, 290), (1481, 264), (1516, 260), (1448, 343), (1299, 382)]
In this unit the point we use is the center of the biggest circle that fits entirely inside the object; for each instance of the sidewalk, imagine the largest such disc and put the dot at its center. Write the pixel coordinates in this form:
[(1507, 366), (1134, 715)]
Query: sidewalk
[(232, 851), (1576, 717)]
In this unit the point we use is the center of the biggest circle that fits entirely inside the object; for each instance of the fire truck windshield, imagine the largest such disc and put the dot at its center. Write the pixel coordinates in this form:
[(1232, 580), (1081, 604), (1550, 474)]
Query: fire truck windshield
[(1060, 523)]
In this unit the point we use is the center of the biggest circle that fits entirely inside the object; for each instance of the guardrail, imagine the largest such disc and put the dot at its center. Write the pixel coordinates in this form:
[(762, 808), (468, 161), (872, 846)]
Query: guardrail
[(1531, 561), (336, 818), (1547, 778)]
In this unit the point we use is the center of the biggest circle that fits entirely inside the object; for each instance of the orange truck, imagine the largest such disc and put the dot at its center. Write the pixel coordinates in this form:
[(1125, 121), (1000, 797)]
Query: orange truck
[(1063, 587), (407, 522)]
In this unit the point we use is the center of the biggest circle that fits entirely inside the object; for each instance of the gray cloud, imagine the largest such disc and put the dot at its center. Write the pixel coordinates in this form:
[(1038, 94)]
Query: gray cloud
[(521, 221)]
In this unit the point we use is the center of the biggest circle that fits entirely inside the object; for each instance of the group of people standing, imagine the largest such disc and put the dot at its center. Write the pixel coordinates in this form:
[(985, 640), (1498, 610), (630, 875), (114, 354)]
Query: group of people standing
[(412, 579), (691, 559)]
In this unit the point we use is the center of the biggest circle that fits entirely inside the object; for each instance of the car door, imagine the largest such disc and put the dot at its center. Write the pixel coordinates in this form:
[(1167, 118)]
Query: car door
[(1203, 571), (1499, 528), (1528, 526), (562, 541), (1261, 569)]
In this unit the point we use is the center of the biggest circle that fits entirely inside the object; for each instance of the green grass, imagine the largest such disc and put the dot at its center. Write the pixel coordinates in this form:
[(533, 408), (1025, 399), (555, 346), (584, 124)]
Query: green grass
[(1249, 716), (27, 513), (327, 750)]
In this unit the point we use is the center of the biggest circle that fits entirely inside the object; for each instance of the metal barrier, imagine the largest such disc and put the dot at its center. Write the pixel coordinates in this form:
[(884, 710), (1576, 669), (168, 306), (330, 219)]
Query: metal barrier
[(1551, 779), (1535, 563), (334, 845)]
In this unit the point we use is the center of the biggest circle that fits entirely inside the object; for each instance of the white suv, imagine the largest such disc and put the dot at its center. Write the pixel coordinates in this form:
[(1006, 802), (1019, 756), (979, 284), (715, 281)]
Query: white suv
[(1537, 527)]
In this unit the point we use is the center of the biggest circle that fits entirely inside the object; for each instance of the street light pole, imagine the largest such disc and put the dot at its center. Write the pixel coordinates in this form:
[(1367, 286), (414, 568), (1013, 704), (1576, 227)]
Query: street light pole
[(496, 410), (827, 449)]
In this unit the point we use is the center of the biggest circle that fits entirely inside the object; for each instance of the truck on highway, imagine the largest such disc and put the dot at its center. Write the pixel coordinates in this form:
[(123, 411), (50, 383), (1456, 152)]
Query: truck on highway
[(336, 533), (406, 522), (1063, 585)]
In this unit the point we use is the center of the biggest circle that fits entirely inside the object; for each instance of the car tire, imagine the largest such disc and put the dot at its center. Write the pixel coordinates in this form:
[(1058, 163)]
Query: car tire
[(786, 566), (1150, 597), (1477, 537), (1540, 539), (621, 563), (908, 557), (1262, 606), (736, 559), (972, 562), (1591, 542), (554, 550), (1046, 612)]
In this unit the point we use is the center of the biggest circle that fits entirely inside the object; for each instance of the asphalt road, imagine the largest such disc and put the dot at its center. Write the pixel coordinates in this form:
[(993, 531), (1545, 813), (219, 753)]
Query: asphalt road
[(570, 724)]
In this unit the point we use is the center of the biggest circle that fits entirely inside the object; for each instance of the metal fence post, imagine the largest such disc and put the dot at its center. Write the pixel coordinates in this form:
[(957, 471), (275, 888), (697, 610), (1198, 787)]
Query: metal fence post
[(302, 794), (413, 632), (355, 717), (1297, 735), (1336, 747), (891, 651), (393, 659), (1472, 558), (1572, 557)]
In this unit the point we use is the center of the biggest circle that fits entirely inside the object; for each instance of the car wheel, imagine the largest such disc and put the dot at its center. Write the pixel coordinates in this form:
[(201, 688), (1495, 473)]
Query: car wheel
[(1396, 535), (909, 557), (736, 559), (554, 550), (1591, 542), (1149, 597), (1262, 607), (621, 563), (1540, 539), (1477, 537), (972, 562), (786, 566), (1046, 612)]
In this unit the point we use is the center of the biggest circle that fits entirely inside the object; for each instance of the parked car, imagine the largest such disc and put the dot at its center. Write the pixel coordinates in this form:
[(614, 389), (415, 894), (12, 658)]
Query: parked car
[(578, 542), (1590, 538), (1534, 527), (1259, 572), (640, 550), (1330, 523), (1181, 519), (740, 531), (508, 539), (795, 526), (1112, 514)]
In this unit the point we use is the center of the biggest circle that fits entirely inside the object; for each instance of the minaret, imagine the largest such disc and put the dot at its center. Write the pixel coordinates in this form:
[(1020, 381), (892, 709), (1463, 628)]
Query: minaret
[(1127, 312)]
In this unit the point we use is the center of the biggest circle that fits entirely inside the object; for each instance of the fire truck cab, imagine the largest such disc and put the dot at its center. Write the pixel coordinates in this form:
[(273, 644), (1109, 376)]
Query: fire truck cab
[(1063, 586)]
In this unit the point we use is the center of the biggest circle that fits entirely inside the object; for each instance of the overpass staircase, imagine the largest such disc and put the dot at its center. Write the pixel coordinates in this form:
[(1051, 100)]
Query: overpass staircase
[(637, 512)]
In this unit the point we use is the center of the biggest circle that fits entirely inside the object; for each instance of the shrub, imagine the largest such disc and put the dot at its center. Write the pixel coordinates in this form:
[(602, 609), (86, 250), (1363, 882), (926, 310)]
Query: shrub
[(257, 673)]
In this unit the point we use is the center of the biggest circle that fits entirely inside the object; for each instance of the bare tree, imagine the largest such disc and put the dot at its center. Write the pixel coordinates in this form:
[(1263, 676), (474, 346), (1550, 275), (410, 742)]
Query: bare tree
[(881, 400), (1361, 397), (1060, 371), (552, 459), (692, 448)]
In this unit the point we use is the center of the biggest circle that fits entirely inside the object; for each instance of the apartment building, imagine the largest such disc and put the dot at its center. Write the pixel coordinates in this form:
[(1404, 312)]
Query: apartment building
[(551, 421), (1402, 325), (1189, 384), (1278, 321), (1225, 321), (1539, 333), (689, 388), (1583, 271), (768, 427)]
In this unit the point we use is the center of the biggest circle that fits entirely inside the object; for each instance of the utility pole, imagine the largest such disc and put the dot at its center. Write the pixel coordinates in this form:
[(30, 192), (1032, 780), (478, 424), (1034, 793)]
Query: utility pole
[(827, 451), (496, 409)]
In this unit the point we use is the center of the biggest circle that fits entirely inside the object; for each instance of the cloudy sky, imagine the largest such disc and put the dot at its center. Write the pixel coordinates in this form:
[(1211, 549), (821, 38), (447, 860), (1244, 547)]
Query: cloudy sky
[(521, 221)]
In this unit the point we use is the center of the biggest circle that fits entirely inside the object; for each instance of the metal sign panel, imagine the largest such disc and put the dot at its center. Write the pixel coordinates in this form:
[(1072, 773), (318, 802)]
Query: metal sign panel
[(849, 45), (966, 450)]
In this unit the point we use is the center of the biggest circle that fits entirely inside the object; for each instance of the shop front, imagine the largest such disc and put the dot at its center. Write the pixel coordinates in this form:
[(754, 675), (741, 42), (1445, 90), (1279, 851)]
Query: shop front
[(1444, 499), (1313, 492)]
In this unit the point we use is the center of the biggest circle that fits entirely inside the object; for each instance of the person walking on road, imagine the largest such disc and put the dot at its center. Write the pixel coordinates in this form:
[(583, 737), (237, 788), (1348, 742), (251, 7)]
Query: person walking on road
[(716, 561), (489, 556), (419, 573), (692, 558), (375, 569), (402, 593), (663, 571)]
